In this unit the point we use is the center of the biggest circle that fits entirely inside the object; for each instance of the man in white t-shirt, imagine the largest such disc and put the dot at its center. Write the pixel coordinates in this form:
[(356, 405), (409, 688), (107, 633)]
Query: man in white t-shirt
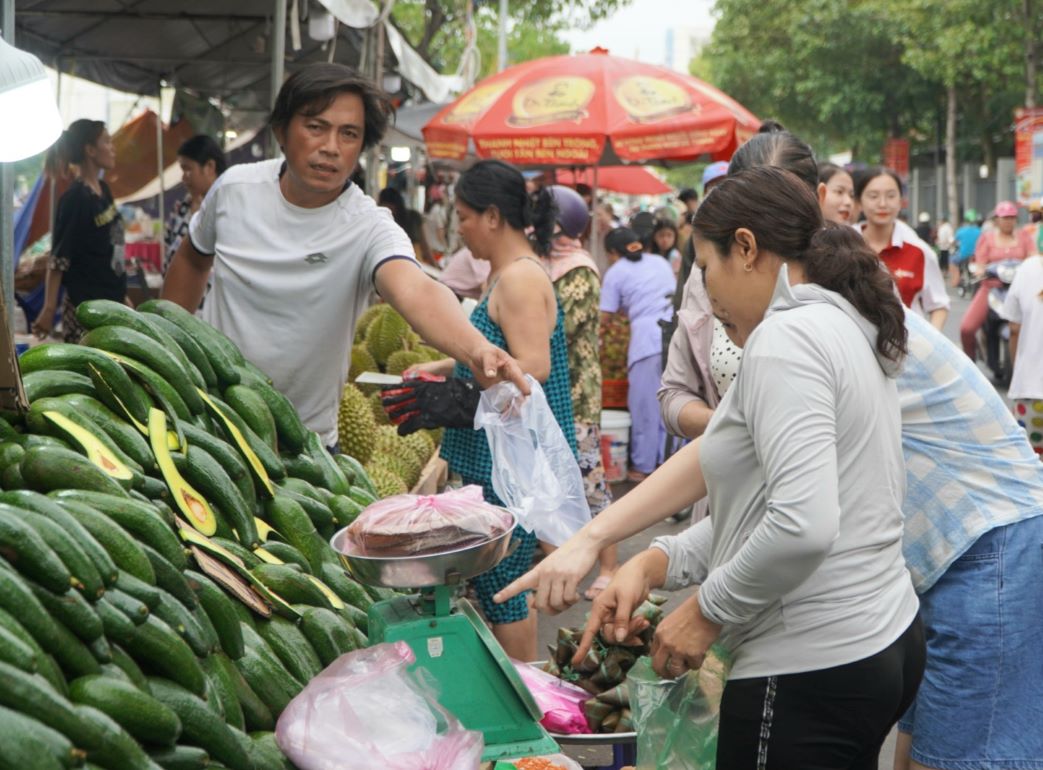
[(296, 250)]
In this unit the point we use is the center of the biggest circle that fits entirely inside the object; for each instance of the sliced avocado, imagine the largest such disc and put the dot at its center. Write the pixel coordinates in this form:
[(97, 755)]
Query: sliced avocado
[(264, 529), (333, 599), (192, 504), (267, 556), (97, 453), (240, 441)]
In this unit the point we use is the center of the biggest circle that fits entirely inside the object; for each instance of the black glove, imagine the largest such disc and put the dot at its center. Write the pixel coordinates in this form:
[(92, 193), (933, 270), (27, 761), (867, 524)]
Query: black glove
[(417, 404)]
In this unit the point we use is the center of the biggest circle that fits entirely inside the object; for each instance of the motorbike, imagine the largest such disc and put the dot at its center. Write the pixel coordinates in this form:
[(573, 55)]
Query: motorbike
[(994, 336)]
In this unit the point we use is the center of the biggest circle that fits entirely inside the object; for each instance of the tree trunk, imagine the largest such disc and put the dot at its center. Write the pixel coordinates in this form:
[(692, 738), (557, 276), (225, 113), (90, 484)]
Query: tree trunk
[(436, 18), (1031, 53), (951, 187)]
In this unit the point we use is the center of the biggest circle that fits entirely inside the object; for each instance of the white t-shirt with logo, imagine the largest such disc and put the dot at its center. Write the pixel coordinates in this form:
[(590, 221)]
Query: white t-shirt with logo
[(289, 282), (1024, 305)]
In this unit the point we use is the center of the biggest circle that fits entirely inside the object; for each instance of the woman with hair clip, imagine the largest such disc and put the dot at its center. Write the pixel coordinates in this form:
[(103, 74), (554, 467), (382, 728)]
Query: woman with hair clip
[(518, 312), (202, 161), (87, 244)]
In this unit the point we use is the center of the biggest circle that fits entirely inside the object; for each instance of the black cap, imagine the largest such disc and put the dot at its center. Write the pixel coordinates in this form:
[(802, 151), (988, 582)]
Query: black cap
[(688, 194), (623, 241)]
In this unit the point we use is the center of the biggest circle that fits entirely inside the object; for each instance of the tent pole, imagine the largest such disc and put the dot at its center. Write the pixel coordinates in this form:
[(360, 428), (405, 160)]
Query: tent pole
[(597, 248), (53, 181), (278, 54), (159, 163), (7, 254)]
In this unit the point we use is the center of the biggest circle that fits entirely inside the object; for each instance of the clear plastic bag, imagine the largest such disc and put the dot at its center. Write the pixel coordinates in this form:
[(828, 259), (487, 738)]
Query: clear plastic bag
[(676, 719), (534, 470), (368, 710), (560, 702), (408, 524)]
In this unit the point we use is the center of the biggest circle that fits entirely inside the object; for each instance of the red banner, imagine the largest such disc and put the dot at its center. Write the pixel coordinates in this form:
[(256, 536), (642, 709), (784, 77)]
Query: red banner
[(896, 156)]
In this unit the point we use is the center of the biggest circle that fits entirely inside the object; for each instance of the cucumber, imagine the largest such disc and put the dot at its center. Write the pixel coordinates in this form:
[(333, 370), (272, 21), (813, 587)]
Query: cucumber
[(116, 747), (220, 609), (335, 480), (305, 488), (291, 647), (101, 650), (290, 584), (206, 474), (229, 458), (345, 586), (321, 516), (11, 453), (126, 663), (121, 547), (114, 621), (122, 433), (47, 507), (304, 468), (354, 472), (11, 477), (100, 312), (254, 411), (165, 394), (48, 468), (170, 578), (48, 383), (72, 611), (141, 520), (156, 492), (265, 675), (128, 343), (111, 383), (137, 712), (73, 656), (181, 620), (146, 593), (199, 727), (224, 356), (192, 350), (19, 601), (289, 429), (27, 744), (344, 510), (29, 553), (158, 648), (45, 664), (181, 758), (85, 575), (286, 554), (135, 610), (291, 521), (223, 687), (15, 651), (256, 715), (267, 754), (362, 496)]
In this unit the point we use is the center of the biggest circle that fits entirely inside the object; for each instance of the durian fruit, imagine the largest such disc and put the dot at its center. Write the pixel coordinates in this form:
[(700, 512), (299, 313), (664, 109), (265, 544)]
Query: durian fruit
[(387, 440), (387, 333), (361, 361), (429, 353), (367, 317), (401, 360), (386, 482), (421, 445), (403, 464), (355, 424), (436, 435), (380, 417)]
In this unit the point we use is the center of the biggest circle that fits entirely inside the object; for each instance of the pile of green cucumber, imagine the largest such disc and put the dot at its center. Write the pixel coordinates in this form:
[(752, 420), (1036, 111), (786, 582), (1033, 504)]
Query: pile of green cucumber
[(166, 580)]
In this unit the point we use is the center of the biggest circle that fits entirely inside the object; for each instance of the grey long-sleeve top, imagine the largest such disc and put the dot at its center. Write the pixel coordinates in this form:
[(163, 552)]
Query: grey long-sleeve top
[(802, 560)]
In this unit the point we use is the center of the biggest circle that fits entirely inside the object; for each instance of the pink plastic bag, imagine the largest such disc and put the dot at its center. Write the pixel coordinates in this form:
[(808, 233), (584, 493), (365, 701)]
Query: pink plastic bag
[(367, 712), (408, 524), (560, 702)]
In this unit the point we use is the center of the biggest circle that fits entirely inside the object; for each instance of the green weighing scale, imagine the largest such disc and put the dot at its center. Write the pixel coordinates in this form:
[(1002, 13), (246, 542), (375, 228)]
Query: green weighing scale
[(476, 680)]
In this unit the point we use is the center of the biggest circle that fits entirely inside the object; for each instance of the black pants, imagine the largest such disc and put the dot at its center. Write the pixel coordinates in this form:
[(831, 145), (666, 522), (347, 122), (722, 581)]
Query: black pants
[(832, 719)]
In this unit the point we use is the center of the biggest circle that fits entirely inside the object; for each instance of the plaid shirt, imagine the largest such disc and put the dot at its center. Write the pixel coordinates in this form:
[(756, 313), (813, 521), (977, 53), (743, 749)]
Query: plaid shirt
[(969, 466)]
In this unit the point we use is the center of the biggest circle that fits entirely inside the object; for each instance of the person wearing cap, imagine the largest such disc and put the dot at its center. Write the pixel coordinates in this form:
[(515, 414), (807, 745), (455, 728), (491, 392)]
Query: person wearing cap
[(967, 235), (577, 283), (640, 286), (1002, 243), (713, 174), (923, 227)]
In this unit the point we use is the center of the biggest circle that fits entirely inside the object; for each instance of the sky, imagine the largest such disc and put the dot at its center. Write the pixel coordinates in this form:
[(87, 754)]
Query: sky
[(638, 31)]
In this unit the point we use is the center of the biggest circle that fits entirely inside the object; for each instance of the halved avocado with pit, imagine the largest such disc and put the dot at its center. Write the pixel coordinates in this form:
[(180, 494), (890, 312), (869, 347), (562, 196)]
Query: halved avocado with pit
[(240, 441), (192, 504), (97, 452)]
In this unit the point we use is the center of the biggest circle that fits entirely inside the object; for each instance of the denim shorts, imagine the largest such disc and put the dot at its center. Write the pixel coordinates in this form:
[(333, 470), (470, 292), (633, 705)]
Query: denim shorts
[(980, 704)]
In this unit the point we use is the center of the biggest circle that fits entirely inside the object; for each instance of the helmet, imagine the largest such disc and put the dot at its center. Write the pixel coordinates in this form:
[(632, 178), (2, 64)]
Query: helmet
[(970, 215), (573, 215), (1036, 205), (1005, 209), (924, 217)]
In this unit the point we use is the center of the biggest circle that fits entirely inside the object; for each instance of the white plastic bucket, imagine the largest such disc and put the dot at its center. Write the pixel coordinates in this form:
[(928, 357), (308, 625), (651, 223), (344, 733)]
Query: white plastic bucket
[(615, 443)]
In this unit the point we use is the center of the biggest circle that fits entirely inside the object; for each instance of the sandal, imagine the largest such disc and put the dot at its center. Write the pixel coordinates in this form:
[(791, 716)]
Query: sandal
[(599, 585)]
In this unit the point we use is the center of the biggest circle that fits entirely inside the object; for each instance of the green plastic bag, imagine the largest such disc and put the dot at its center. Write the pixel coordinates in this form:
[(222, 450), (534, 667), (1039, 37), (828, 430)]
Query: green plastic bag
[(676, 719)]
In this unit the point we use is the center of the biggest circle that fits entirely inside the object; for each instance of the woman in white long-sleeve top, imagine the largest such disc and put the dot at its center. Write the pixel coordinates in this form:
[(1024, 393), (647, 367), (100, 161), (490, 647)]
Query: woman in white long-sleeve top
[(801, 563)]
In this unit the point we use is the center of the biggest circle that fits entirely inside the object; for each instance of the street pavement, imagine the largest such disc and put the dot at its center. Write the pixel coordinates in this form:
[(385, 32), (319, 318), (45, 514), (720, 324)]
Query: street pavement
[(576, 616)]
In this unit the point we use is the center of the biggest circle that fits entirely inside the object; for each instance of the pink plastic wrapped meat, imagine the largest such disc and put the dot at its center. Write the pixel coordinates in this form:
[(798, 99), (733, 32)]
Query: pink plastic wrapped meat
[(409, 524)]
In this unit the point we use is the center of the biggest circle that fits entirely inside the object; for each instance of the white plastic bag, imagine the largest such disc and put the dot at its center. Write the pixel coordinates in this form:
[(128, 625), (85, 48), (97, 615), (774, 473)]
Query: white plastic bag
[(535, 472), (368, 712)]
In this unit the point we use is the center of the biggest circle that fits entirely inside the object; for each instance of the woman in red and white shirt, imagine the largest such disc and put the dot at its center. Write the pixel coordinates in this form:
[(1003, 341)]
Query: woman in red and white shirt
[(996, 245), (912, 262)]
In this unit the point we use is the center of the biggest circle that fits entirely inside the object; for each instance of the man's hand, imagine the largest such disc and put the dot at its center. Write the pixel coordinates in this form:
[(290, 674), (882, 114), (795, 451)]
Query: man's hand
[(44, 322), (491, 364), (682, 639)]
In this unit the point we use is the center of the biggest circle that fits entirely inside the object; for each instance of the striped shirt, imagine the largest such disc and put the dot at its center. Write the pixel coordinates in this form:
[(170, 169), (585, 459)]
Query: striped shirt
[(969, 467)]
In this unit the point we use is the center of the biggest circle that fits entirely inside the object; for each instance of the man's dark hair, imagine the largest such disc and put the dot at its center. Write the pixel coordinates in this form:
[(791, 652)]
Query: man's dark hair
[(202, 148), (312, 89)]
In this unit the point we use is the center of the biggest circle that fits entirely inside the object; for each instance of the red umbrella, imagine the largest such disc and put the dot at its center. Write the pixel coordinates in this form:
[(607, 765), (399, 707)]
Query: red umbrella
[(629, 180), (590, 109)]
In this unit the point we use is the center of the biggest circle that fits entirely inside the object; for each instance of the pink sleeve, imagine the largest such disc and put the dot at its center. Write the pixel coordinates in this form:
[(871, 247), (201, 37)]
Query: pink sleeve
[(981, 250)]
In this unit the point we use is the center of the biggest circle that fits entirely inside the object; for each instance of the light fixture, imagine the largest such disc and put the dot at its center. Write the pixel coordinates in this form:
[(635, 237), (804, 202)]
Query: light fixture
[(400, 154), (392, 83), (983, 171), (25, 92)]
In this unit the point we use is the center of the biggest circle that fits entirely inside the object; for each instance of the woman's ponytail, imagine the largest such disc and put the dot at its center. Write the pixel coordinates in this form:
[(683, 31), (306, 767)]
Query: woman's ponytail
[(543, 217), (71, 147)]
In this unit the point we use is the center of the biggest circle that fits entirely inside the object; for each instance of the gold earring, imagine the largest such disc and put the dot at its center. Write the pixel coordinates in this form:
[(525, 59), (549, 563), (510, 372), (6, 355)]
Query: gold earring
[(749, 267)]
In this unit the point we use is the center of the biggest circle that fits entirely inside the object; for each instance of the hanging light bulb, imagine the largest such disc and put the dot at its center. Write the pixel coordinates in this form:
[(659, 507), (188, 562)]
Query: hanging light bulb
[(31, 120)]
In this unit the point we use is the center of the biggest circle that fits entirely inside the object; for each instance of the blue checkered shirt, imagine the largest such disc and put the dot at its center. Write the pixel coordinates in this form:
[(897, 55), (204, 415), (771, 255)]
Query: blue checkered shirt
[(969, 466)]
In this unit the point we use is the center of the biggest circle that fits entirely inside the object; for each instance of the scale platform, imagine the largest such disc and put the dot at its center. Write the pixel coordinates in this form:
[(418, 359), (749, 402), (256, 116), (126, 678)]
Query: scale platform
[(475, 679)]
